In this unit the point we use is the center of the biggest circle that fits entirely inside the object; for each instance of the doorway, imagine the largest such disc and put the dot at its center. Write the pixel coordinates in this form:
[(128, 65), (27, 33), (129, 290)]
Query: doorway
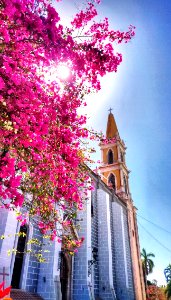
[(19, 258), (65, 275)]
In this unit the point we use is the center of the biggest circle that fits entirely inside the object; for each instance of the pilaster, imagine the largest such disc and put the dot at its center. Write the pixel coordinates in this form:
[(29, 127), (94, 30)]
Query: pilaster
[(49, 274), (135, 253), (8, 225), (123, 266), (106, 288), (82, 273)]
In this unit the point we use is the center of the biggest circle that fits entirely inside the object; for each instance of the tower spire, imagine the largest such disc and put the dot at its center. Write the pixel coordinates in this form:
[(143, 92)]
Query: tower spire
[(111, 130), (113, 169)]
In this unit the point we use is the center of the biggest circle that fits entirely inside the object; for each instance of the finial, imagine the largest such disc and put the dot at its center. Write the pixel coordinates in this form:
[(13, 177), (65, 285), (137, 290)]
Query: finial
[(110, 109)]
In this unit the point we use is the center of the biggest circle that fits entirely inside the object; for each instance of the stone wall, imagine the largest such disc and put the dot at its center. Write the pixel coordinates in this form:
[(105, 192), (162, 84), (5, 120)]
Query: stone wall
[(31, 263), (46, 278)]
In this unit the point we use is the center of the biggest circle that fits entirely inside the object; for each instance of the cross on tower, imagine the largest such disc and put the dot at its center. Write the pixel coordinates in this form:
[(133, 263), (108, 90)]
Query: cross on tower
[(110, 109)]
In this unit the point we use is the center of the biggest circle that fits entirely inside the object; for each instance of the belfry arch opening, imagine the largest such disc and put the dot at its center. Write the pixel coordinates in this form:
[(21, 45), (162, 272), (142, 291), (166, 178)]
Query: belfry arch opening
[(110, 158), (112, 181)]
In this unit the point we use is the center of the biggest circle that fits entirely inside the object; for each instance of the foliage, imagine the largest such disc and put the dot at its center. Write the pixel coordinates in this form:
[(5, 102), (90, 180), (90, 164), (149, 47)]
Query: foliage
[(149, 282), (42, 162), (167, 273), (168, 290), (154, 292), (147, 264)]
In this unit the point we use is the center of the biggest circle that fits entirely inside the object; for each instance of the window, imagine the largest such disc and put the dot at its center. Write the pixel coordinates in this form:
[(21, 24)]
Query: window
[(111, 181), (110, 157)]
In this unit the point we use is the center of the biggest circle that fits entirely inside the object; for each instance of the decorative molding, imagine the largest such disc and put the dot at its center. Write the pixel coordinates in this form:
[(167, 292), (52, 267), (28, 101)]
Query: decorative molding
[(108, 145)]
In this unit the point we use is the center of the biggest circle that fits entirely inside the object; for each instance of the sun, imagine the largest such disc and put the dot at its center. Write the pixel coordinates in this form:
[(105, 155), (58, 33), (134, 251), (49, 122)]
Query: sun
[(63, 72)]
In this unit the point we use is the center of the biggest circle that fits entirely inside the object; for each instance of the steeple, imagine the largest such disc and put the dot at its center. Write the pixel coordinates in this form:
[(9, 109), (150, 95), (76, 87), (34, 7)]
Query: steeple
[(113, 167), (111, 130)]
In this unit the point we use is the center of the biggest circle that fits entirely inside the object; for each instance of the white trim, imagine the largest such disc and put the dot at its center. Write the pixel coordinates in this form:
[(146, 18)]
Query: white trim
[(57, 251), (110, 167), (15, 247), (109, 241), (124, 248), (115, 166)]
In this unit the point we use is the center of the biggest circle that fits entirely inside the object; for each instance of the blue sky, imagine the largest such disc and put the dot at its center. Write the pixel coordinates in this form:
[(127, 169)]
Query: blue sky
[(140, 95)]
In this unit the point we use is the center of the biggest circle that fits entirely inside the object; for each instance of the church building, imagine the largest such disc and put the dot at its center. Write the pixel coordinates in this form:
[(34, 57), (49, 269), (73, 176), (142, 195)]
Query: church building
[(107, 266)]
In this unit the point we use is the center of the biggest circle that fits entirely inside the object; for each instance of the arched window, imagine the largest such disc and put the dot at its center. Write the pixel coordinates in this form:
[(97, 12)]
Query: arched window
[(111, 181), (110, 157)]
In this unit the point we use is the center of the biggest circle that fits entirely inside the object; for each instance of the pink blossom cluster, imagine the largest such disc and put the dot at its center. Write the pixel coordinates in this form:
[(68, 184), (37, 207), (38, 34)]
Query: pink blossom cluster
[(83, 17), (72, 245), (40, 128), (107, 141)]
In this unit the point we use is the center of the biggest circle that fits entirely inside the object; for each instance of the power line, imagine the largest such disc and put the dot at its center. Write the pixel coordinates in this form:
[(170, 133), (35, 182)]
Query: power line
[(154, 224), (169, 250)]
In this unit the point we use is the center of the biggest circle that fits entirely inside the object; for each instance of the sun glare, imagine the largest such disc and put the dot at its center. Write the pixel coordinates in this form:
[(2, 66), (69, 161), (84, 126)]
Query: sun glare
[(57, 73), (63, 72)]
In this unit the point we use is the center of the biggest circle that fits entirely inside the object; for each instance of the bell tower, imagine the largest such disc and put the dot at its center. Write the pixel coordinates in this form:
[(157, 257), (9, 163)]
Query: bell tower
[(115, 174), (113, 169)]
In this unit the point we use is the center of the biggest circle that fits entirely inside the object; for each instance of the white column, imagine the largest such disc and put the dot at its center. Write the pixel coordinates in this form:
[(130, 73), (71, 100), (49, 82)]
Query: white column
[(109, 240)]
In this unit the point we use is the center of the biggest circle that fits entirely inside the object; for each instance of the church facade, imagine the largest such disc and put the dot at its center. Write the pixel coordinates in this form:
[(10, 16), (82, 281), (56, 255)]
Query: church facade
[(107, 266)]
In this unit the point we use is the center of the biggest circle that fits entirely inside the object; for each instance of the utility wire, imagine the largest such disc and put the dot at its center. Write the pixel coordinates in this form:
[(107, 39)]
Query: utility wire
[(169, 250), (154, 224)]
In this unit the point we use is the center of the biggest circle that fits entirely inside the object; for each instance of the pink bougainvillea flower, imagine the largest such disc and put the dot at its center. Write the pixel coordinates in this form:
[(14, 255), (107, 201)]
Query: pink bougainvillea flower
[(42, 157)]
